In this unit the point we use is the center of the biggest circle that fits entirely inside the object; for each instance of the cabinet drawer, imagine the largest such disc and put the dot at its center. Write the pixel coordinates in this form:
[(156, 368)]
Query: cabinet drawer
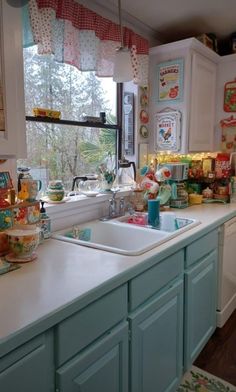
[(82, 328), (149, 282), (201, 247)]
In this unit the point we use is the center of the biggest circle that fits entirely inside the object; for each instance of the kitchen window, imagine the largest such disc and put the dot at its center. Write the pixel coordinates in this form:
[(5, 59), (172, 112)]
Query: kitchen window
[(61, 150)]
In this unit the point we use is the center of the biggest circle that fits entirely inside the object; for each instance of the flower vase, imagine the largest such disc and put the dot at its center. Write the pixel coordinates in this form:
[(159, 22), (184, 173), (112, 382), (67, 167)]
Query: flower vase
[(107, 185)]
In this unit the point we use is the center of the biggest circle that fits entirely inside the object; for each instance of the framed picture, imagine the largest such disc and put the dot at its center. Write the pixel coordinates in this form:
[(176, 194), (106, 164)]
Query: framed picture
[(167, 130), (170, 81), (142, 154), (128, 121), (144, 131)]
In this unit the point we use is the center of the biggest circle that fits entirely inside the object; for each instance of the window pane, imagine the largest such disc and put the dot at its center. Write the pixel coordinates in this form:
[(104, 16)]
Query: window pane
[(58, 151), (52, 85)]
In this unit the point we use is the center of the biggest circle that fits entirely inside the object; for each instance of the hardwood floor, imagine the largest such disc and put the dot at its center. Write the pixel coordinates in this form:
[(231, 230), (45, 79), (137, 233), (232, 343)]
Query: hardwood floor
[(219, 355)]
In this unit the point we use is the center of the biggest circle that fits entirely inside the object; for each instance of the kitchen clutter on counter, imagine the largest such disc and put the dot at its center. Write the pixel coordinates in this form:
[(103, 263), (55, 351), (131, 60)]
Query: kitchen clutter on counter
[(20, 227), (180, 181)]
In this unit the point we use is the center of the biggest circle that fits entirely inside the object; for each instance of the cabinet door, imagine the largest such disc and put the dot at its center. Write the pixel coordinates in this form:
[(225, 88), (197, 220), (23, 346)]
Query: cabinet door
[(29, 368), (12, 106), (200, 307), (156, 343), (101, 367), (202, 112)]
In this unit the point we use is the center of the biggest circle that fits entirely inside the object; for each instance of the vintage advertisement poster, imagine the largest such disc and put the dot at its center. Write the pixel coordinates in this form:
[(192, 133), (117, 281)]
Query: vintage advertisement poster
[(167, 125), (170, 81)]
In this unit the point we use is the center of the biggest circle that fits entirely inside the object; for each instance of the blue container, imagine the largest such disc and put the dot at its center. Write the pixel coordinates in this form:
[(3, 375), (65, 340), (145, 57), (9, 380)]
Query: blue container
[(154, 212)]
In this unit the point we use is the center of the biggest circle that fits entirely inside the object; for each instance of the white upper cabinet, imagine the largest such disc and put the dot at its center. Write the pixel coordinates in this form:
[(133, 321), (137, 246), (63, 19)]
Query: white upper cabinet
[(197, 102), (13, 137), (202, 105)]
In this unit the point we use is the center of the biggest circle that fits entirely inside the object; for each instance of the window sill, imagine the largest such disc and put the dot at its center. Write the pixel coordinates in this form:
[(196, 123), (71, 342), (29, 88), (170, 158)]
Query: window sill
[(80, 209)]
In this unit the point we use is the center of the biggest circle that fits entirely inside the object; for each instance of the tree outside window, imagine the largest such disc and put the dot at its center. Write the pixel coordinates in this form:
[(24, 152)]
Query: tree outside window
[(58, 151)]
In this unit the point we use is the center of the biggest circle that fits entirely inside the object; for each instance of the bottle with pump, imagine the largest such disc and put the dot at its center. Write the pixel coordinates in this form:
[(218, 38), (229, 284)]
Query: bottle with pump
[(45, 223)]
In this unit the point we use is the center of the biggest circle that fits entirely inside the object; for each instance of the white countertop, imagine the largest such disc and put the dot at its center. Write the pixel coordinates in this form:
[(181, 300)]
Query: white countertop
[(65, 274)]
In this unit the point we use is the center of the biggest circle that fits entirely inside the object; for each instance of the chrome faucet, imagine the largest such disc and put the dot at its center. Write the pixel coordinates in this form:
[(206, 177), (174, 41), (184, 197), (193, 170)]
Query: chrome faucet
[(122, 206), (115, 208), (113, 205)]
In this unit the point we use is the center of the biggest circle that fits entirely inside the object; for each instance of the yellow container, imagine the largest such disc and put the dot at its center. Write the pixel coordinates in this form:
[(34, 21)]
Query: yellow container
[(40, 112), (194, 198)]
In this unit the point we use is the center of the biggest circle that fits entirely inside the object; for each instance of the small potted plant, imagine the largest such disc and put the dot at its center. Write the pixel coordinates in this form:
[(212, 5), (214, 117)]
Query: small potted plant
[(107, 176)]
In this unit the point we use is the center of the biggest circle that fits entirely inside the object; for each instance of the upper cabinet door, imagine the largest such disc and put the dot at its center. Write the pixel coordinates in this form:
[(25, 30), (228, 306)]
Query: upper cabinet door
[(202, 111), (12, 103)]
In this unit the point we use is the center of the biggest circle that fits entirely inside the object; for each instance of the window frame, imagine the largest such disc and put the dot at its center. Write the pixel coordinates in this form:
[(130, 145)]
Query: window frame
[(117, 126)]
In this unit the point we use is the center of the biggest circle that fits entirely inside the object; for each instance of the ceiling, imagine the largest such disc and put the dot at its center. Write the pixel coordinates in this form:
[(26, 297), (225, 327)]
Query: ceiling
[(178, 19)]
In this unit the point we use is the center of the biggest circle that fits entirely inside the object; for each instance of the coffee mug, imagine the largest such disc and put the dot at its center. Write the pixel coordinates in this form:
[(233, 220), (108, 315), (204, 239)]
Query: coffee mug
[(29, 189)]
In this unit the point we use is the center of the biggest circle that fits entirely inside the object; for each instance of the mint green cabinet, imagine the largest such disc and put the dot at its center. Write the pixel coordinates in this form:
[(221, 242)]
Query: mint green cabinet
[(157, 342), (200, 306), (101, 367), (138, 337), (92, 346), (30, 367)]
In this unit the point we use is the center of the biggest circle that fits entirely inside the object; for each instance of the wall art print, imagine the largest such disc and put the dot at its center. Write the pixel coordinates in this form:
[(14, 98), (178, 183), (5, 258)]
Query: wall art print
[(167, 130), (170, 81)]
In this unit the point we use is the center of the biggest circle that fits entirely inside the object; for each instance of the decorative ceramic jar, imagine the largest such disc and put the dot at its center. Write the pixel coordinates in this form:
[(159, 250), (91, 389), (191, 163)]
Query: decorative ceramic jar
[(22, 243), (55, 191)]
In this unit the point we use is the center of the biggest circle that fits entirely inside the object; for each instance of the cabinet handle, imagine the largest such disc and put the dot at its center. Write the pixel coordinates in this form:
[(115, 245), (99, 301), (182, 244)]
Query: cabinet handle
[(129, 335)]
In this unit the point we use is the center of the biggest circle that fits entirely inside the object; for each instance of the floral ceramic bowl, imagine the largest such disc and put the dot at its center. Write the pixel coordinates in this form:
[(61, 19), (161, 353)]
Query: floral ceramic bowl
[(55, 191), (55, 194), (23, 242)]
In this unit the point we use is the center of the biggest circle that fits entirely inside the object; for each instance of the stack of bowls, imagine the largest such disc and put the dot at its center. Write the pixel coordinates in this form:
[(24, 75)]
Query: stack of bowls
[(55, 190)]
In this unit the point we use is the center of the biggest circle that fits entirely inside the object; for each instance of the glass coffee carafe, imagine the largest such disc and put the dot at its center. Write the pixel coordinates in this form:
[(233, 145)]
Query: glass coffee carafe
[(126, 174)]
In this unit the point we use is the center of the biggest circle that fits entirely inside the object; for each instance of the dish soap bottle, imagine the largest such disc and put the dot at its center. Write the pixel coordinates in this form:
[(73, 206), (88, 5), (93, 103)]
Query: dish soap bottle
[(45, 223)]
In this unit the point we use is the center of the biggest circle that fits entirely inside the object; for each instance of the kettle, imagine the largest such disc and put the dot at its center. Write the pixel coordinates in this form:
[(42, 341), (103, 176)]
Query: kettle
[(126, 174)]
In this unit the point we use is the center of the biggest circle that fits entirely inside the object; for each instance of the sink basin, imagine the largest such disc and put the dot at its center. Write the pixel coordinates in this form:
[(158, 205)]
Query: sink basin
[(140, 219), (119, 237)]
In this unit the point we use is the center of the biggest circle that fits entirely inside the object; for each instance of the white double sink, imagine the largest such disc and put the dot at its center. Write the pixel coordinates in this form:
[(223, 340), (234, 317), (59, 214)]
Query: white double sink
[(118, 236)]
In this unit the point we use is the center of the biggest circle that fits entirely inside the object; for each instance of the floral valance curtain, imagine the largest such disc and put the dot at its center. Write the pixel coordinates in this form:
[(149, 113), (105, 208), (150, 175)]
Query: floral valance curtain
[(78, 36)]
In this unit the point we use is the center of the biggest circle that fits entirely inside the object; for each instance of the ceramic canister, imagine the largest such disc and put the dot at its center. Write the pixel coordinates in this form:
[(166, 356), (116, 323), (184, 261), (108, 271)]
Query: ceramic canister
[(55, 191), (23, 242)]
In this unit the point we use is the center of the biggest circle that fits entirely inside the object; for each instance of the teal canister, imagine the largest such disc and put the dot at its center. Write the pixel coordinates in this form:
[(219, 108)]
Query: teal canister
[(45, 223)]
